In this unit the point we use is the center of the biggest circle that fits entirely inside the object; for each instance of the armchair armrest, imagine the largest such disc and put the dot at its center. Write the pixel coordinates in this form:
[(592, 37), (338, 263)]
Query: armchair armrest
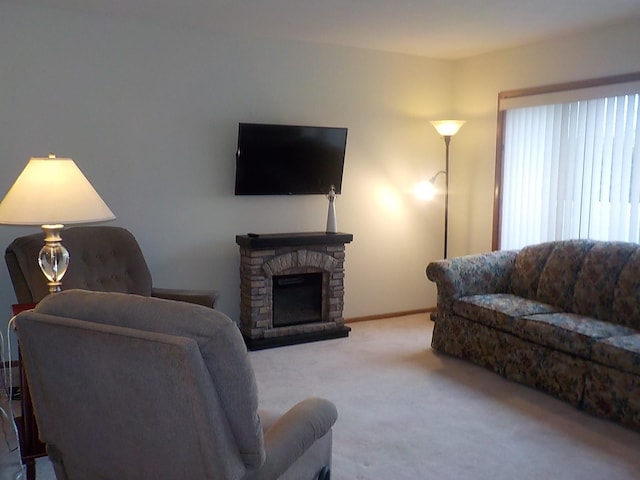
[(471, 275), (207, 298), (294, 433)]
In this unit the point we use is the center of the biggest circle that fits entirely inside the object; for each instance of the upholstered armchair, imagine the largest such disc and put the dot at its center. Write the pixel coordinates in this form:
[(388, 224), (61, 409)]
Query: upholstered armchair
[(105, 259), (129, 387)]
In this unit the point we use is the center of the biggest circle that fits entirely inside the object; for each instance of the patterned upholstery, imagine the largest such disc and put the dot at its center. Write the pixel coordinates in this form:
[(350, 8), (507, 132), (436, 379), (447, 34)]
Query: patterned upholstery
[(563, 317)]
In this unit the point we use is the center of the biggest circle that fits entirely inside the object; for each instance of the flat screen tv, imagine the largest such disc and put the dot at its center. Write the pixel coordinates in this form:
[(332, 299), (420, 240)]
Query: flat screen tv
[(289, 159)]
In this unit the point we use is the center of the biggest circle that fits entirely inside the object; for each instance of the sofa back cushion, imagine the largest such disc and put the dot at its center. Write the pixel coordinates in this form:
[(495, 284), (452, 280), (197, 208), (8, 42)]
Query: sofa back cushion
[(529, 264), (597, 283), (626, 300), (588, 277), (559, 276)]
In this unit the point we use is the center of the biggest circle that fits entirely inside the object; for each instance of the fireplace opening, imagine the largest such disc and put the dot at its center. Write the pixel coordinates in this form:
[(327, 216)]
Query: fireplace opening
[(297, 299)]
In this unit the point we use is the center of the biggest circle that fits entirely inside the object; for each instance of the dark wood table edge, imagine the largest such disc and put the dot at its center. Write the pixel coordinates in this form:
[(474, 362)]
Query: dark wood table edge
[(31, 447)]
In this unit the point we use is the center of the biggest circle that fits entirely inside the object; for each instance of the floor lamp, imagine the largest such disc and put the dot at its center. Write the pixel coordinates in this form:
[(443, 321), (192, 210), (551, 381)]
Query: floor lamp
[(51, 192), (447, 129)]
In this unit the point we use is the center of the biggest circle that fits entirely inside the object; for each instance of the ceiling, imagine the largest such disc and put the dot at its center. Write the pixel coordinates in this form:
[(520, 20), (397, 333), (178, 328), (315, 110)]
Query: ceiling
[(447, 29)]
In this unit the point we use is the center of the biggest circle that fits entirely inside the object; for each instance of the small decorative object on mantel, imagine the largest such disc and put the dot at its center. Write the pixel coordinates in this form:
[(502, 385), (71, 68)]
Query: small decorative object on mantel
[(332, 224)]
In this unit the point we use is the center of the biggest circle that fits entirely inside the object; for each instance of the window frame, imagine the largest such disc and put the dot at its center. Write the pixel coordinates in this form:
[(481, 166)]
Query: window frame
[(500, 134)]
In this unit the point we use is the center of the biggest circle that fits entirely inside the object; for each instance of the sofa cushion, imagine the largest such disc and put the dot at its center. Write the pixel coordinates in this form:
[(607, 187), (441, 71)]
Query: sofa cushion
[(597, 279), (529, 264), (622, 353), (498, 310), (567, 332), (560, 273), (626, 301)]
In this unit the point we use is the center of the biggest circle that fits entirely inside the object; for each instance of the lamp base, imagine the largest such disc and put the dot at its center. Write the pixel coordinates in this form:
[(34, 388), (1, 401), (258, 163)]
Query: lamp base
[(53, 257)]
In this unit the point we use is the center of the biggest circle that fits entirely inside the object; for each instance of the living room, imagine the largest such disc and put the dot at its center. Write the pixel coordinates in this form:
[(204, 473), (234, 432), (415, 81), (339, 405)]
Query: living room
[(150, 114)]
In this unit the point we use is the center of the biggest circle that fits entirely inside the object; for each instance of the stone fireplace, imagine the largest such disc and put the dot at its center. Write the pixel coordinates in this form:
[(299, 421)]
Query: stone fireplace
[(291, 288)]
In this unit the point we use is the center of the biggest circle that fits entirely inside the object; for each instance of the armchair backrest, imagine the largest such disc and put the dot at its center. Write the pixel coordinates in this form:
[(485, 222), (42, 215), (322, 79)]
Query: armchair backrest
[(187, 408), (106, 259)]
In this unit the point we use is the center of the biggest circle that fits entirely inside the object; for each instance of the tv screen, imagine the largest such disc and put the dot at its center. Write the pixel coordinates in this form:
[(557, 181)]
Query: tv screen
[(289, 159)]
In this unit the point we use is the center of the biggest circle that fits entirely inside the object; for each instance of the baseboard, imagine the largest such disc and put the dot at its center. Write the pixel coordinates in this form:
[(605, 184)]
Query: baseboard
[(383, 316), (259, 344)]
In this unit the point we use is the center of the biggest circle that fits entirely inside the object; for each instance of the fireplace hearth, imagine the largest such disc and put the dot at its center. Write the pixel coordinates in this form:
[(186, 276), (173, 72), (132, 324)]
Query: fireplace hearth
[(291, 288)]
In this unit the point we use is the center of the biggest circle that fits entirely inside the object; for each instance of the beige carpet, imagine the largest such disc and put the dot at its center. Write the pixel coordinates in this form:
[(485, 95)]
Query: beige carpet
[(407, 413)]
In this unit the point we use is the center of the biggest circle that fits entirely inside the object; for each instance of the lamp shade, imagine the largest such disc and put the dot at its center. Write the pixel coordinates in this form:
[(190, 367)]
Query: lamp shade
[(448, 128), (52, 191)]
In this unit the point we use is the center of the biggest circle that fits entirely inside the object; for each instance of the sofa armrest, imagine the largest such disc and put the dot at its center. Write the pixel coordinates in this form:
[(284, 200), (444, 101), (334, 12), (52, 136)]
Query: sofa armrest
[(471, 275), (294, 433), (207, 298)]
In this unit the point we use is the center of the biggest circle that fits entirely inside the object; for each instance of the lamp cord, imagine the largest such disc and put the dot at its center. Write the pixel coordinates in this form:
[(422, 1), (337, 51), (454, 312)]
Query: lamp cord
[(7, 382)]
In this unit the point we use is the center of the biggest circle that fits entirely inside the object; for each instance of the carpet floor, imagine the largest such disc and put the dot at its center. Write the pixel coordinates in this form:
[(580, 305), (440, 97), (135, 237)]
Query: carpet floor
[(408, 413)]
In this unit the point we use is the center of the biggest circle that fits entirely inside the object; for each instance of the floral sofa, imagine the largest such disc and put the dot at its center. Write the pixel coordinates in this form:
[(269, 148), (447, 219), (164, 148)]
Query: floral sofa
[(563, 317)]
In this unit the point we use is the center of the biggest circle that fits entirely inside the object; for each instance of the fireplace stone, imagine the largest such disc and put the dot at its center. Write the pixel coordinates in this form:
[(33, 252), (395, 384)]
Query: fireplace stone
[(264, 259)]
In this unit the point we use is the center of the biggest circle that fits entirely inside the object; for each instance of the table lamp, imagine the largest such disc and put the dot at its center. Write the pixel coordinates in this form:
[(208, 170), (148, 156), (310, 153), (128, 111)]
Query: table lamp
[(51, 192)]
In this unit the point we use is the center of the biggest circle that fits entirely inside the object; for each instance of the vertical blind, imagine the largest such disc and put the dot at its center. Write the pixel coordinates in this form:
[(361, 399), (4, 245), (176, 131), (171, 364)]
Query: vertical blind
[(571, 170)]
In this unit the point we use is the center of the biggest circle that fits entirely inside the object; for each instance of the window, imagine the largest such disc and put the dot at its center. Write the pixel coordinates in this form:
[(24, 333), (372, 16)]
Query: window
[(568, 163)]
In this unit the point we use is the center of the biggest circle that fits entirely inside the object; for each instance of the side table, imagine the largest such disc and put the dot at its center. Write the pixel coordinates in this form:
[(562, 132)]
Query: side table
[(30, 445)]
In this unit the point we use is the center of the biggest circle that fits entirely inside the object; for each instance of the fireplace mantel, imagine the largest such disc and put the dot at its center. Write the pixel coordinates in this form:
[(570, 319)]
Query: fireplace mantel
[(269, 240), (264, 257)]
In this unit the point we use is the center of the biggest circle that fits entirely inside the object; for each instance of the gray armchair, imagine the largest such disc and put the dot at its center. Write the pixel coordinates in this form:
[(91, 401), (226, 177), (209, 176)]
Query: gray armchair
[(104, 259), (129, 387)]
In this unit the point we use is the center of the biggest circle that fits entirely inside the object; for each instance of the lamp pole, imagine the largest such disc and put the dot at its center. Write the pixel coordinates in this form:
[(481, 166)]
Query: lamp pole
[(447, 140), (447, 129)]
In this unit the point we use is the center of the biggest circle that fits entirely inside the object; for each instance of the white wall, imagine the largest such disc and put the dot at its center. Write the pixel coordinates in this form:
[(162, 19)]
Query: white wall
[(150, 115), (597, 53)]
